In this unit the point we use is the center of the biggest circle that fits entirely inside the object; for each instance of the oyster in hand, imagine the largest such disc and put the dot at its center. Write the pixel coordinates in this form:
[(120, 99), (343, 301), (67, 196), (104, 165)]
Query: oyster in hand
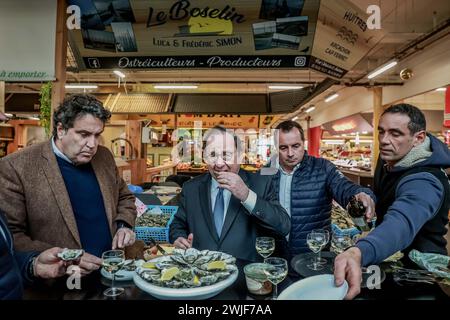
[(71, 254)]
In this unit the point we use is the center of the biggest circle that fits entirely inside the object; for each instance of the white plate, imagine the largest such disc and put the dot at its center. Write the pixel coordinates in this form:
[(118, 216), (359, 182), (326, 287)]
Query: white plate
[(200, 293), (319, 287), (122, 275)]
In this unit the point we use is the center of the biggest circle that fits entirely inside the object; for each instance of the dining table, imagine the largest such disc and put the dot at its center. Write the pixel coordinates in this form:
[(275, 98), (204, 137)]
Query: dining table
[(93, 285)]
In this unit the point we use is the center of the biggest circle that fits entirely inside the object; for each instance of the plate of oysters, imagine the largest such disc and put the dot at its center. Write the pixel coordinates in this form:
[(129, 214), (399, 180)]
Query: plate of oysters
[(125, 273), (187, 274)]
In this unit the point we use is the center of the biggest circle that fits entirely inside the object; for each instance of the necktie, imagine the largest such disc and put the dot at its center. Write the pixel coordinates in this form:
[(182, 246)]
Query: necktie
[(219, 212)]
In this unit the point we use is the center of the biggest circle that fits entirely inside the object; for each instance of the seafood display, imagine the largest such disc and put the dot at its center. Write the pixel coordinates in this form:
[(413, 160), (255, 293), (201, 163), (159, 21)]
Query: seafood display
[(341, 217), (188, 268), (153, 220)]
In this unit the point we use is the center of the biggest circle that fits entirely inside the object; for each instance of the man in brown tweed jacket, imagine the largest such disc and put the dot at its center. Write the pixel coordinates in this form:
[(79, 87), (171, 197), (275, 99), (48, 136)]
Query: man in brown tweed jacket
[(67, 192)]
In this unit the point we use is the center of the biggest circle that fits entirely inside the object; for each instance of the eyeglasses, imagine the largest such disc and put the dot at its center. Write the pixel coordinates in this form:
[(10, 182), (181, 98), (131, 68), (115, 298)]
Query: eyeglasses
[(214, 156)]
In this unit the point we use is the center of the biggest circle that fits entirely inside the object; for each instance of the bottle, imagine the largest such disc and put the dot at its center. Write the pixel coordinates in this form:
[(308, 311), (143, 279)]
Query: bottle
[(357, 211)]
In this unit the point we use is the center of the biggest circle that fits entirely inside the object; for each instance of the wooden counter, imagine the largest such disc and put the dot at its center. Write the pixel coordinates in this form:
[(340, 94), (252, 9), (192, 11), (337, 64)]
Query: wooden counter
[(363, 178), (164, 170)]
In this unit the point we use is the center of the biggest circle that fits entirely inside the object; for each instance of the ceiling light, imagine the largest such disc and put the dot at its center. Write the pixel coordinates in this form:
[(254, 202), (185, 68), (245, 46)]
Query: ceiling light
[(331, 97), (310, 109), (294, 118), (382, 69), (179, 86), (441, 89), (285, 87), (80, 86), (365, 132), (119, 73)]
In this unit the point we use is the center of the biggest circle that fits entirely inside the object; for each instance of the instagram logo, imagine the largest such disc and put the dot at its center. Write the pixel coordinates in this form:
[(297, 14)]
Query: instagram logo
[(300, 61)]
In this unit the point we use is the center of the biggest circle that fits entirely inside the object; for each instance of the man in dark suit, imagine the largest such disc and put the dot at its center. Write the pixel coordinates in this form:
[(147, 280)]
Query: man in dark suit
[(227, 208)]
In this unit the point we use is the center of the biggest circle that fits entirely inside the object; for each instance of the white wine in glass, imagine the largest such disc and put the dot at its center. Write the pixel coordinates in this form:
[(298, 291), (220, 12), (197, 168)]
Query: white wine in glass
[(112, 261), (316, 241), (265, 246), (276, 270)]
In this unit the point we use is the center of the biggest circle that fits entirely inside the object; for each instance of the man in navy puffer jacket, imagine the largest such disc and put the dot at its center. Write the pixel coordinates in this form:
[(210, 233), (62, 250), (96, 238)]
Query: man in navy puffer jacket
[(306, 187)]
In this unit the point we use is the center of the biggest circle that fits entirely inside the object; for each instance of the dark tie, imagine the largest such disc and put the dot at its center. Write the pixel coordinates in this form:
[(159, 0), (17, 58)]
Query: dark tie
[(219, 212)]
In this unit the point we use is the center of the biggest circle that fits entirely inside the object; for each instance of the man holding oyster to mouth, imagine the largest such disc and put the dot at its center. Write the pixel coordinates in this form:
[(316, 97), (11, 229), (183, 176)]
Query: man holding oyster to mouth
[(227, 208), (67, 192)]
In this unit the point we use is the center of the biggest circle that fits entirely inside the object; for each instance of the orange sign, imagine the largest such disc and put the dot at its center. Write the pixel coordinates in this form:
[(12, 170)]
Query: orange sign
[(211, 120)]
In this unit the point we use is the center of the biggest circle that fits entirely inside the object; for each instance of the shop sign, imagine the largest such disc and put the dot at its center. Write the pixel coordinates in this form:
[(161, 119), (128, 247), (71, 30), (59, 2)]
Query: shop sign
[(27, 39), (342, 37), (196, 33), (211, 120), (328, 36)]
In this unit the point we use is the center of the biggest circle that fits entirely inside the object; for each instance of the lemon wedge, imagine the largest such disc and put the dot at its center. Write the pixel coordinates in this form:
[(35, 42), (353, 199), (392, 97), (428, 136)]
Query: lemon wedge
[(217, 265), (196, 280), (149, 265), (168, 274)]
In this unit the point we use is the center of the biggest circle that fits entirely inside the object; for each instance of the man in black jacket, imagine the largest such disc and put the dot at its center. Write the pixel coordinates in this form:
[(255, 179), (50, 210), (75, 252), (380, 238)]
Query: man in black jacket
[(18, 268), (227, 208)]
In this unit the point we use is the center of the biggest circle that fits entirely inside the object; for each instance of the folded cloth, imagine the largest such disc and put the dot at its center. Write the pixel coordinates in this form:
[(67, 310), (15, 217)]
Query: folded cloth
[(433, 262)]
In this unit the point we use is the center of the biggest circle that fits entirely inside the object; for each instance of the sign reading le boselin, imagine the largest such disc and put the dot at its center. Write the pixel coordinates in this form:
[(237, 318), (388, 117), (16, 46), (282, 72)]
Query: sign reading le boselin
[(231, 34)]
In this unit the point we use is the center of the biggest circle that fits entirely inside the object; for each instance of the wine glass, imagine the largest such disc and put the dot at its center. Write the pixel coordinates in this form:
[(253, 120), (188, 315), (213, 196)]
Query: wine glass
[(113, 261), (316, 241), (327, 239), (265, 246), (276, 269), (340, 242)]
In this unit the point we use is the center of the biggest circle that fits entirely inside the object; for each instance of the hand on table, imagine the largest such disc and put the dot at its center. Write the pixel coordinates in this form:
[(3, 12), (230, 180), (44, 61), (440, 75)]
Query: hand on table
[(347, 266)]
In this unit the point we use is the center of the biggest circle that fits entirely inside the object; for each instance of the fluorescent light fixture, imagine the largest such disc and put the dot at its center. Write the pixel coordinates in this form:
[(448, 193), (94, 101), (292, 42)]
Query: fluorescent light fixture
[(285, 87), (175, 86), (382, 69), (332, 97), (310, 109), (119, 73), (441, 89), (294, 118), (365, 132), (80, 86)]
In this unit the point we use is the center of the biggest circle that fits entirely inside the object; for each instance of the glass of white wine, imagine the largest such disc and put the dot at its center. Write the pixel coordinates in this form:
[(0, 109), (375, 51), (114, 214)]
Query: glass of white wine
[(316, 241), (340, 242), (327, 239), (276, 270), (265, 246), (112, 261)]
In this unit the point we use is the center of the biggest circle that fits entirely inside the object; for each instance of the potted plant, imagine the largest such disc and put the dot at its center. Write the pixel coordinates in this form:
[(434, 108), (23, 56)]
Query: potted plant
[(45, 109)]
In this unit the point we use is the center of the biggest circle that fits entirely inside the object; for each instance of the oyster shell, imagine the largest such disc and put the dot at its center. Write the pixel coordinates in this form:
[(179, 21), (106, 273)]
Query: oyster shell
[(70, 254), (190, 255)]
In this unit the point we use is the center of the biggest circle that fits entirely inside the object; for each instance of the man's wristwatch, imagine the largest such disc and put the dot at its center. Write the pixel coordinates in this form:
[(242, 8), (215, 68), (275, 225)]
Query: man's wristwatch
[(31, 266)]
